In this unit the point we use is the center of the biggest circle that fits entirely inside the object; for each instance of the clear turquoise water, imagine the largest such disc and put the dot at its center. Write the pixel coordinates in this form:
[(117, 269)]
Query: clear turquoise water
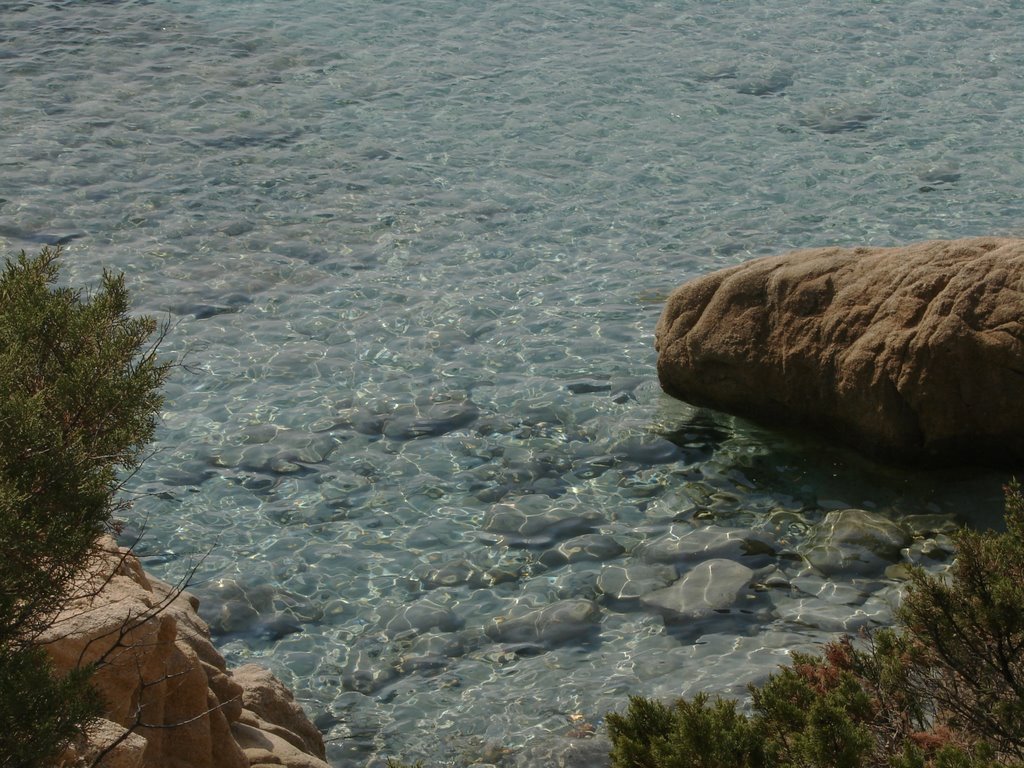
[(413, 255)]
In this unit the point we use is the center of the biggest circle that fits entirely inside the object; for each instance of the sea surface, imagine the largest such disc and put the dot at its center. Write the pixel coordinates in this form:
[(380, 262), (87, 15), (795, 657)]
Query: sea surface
[(412, 255)]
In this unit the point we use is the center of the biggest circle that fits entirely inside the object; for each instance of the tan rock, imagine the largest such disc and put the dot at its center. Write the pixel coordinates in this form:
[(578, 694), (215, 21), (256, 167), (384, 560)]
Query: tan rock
[(913, 353), (271, 701), (126, 749), (162, 678), (266, 748), (226, 689)]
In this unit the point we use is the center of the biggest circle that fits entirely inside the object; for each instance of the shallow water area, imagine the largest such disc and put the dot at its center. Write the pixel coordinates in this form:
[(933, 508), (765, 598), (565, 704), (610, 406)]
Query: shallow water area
[(413, 256)]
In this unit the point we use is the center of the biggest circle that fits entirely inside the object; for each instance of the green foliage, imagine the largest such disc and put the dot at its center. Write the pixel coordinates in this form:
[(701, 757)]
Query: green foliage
[(48, 710), (814, 713), (946, 691), (947, 756), (972, 626), (685, 735), (79, 392)]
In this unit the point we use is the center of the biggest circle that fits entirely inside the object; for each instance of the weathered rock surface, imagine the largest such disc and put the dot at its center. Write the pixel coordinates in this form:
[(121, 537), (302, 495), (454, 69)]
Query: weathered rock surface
[(912, 353), (162, 677), (123, 750), (273, 706)]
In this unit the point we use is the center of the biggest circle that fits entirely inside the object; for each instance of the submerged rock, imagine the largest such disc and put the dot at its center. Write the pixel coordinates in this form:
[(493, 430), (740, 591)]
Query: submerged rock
[(532, 522), (589, 546), (713, 585), (461, 571), (647, 450), (253, 609), (565, 752), (828, 617), (561, 622), (769, 83), (368, 670), (685, 543), (854, 540), (858, 527), (837, 118), (628, 582), (913, 353), (429, 653), (438, 419), (420, 616)]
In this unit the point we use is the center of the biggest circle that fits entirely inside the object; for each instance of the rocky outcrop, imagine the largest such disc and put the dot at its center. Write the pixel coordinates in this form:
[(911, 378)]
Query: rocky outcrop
[(913, 353), (172, 701), (270, 713)]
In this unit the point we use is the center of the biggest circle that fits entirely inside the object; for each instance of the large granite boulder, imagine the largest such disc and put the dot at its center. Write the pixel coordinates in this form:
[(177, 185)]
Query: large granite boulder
[(164, 681), (913, 353)]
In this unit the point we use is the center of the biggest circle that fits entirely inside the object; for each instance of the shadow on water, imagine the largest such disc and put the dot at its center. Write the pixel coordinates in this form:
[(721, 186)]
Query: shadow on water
[(822, 475), (699, 437)]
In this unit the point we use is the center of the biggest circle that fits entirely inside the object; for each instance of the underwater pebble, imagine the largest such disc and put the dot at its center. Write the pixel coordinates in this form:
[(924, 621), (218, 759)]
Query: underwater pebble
[(671, 506), (439, 419), (277, 627), (272, 459), (594, 466), (409, 421), (431, 644), (586, 387)]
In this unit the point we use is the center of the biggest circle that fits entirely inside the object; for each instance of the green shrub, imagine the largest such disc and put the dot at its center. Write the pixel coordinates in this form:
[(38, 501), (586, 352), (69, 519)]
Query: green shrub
[(79, 393), (814, 713), (970, 631), (688, 734), (40, 711), (944, 691)]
